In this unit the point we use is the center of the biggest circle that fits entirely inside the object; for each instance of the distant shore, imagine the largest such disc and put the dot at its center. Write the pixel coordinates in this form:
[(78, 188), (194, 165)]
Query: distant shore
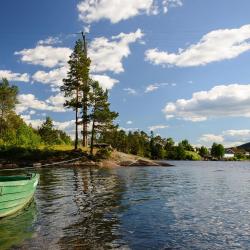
[(116, 159), (75, 158)]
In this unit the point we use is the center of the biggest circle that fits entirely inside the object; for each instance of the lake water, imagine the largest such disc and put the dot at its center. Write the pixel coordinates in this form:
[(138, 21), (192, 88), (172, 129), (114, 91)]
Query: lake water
[(194, 205)]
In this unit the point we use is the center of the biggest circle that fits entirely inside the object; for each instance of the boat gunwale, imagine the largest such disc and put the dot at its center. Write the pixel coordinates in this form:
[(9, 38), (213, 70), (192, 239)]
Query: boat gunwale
[(24, 182)]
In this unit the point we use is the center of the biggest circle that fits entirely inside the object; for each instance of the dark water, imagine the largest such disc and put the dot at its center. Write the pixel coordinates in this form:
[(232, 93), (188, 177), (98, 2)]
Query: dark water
[(195, 205)]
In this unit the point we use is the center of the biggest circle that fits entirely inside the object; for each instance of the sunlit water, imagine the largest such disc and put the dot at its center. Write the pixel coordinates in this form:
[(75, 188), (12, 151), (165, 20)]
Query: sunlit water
[(194, 205)]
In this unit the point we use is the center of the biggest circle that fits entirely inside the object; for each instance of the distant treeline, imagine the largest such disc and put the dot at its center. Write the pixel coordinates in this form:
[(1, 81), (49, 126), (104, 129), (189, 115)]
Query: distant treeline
[(156, 147)]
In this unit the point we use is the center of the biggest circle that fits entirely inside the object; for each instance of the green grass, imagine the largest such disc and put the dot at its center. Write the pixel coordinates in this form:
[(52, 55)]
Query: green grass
[(190, 155)]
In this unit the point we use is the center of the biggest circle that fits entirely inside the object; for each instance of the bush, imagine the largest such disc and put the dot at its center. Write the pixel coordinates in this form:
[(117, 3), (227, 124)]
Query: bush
[(103, 153)]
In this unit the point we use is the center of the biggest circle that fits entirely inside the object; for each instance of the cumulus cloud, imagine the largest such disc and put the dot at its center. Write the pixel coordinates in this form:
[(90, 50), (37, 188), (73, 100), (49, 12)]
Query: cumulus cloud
[(237, 133), (67, 126), (115, 11), (11, 76), (211, 138), (221, 101), (46, 56), (129, 122), (157, 127), (130, 91), (229, 138), (107, 54), (171, 3), (215, 46), (53, 77), (49, 41), (56, 100), (105, 81), (29, 101), (35, 123)]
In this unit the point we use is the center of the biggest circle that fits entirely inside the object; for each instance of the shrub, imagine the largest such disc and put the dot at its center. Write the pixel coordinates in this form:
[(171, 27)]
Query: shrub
[(103, 153)]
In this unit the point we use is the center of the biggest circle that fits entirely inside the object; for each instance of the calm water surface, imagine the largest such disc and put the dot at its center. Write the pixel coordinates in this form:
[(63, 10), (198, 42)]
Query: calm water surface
[(194, 205)]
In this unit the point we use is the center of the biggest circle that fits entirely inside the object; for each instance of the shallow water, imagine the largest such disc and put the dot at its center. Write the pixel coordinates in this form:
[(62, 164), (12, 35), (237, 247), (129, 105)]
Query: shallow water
[(194, 205)]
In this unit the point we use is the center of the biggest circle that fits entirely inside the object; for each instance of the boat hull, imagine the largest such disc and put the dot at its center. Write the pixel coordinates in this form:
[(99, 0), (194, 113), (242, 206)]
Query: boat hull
[(16, 192)]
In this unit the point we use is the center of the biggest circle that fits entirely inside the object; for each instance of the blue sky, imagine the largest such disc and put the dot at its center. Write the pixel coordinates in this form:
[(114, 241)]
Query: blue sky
[(178, 67)]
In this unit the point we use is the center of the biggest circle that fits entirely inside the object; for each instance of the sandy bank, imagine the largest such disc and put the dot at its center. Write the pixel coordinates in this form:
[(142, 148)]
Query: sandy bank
[(117, 159)]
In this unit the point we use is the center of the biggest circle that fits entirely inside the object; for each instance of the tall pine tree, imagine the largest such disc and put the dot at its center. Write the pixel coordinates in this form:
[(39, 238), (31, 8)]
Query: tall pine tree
[(100, 115), (75, 86)]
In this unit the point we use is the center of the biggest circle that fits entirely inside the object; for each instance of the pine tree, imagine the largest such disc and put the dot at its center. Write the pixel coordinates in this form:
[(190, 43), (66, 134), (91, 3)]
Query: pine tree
[(8, 100), (101, 116), (75, 87)]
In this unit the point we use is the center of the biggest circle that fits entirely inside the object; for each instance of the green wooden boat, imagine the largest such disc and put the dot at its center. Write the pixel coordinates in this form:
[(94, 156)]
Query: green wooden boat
[(16, 192)]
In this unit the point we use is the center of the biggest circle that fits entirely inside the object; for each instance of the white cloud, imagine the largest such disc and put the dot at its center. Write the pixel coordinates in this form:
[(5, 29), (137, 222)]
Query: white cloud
[(128, 129), (243, 134), (215, 46), (46, 56), (32, 112), (221, 101), (115, 11), (171, 3), (57, 100), (129, 122), (151, 88), (35, 123), (53, 77), (211, 138), (11, 76), (105, 81), (130, 91), (157, 127), (49, 41), (107, 55), (67, 126), (29, 101), (155, 86), (229, 138)]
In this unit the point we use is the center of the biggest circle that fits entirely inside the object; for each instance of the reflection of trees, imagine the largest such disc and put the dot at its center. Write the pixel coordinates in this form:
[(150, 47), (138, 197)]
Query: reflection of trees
[(15, 229), (97, 197)]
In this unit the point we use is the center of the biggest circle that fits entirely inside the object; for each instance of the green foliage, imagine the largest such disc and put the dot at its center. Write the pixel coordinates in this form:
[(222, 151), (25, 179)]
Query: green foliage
[(217, 150), (103, 154), (169, 144), (192, 156), (180, 152), (76, 88), (8, 98), (100, 115), (203, 151), (240, 156), (26, 137), (51, 136), (8, 101), (186, 145)]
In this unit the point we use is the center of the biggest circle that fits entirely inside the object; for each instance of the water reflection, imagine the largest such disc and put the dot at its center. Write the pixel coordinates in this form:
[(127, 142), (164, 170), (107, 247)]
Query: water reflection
[(97, 197), (196, 205), (15, 229)]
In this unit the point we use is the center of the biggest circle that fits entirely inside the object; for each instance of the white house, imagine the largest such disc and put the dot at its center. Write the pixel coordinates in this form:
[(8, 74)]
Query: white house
[(229, 153)]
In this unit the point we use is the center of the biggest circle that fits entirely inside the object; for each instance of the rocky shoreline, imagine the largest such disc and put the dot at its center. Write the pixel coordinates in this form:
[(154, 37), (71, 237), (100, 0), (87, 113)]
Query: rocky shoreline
[(117, 159)]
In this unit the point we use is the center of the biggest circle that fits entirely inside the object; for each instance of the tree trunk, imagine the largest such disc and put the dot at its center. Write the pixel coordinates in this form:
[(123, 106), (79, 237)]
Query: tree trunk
[(85, 122), (92, 137), (76, 129)]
